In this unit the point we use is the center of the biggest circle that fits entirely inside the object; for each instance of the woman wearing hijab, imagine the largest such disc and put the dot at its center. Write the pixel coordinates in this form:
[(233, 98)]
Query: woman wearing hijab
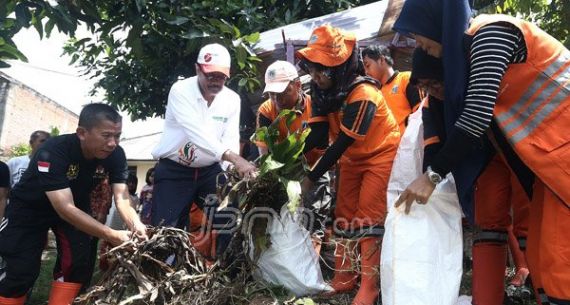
[(498, 194), (507, 87), (366, 137)]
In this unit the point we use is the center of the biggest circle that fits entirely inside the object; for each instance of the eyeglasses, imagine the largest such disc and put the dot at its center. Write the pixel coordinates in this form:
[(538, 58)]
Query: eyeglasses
[(211, 77), (279, 96)]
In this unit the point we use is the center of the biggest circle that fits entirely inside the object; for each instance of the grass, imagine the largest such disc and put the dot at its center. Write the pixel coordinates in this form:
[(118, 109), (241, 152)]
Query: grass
[(40, 292)]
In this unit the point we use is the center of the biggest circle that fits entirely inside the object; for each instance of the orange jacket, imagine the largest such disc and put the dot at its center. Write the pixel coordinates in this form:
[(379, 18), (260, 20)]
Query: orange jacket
[(382, 135), (269, 111), (399, 98), (533, 105)]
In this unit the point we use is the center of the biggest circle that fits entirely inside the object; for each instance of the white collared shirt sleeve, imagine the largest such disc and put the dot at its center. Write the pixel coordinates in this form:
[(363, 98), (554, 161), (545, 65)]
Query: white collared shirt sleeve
[(196, 129)]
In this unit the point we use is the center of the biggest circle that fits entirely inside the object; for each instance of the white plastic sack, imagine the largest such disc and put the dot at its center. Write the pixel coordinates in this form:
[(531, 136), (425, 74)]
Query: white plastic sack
[(464, 300), (291, 260), (421, 262)]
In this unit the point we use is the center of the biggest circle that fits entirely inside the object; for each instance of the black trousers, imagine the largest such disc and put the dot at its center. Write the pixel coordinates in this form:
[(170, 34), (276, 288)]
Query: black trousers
[(23, 237), (176, 187)]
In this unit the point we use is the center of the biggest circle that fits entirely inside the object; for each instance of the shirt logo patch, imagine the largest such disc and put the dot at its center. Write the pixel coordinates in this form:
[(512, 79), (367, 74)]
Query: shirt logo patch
[(72, 171), (43, 166), (99, 172), (220, 119), (187, 154), (394, 89), (313, 39), (271, 74)]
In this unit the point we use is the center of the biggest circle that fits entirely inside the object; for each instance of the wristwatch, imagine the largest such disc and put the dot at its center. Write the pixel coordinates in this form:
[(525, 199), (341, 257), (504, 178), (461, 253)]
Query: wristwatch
[(434, 177)]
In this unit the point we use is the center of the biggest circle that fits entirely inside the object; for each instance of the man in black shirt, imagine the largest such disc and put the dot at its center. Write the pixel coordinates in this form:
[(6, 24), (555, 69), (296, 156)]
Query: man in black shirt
[(54, 193), (4, 187)]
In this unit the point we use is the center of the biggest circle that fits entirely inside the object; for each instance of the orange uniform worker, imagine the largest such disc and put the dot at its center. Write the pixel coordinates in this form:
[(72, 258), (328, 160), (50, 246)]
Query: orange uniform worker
[(499, 197), (518, 92), (402, 97), (366, 138), (283, 86)]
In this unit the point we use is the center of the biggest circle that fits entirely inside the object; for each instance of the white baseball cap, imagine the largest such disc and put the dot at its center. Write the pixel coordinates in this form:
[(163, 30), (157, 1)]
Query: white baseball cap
[(215, 58), (278, 75)]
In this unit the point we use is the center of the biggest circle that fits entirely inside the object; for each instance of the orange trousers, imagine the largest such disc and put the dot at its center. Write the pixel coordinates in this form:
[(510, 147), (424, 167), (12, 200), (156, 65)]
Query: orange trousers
[(361, 197), (500, 200), (548, 244)]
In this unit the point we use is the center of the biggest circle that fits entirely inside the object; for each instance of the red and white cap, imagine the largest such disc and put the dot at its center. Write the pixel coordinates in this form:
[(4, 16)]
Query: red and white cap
[(215, 58), (278, 75)]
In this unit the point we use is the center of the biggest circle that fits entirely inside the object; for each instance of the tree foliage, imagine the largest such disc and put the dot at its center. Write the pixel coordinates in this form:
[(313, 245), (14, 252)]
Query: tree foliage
[(138, 48), (553, 16)]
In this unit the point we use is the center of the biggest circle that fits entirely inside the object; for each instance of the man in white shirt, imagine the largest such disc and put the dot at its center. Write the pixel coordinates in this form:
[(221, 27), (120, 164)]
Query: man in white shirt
[(201, 130), (18, 165)]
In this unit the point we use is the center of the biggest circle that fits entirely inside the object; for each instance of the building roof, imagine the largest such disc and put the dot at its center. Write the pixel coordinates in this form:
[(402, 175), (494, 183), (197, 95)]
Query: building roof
[(67, 90), (364, 21), (139, 148), (15, 81)]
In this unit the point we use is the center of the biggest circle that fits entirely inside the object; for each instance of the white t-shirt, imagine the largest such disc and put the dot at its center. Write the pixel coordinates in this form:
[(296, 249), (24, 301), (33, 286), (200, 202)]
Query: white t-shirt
[(17, 166), (194, 134)]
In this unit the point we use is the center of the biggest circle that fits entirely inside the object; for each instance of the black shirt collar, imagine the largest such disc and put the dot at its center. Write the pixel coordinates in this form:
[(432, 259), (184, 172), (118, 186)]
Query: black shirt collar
[(392, 77)]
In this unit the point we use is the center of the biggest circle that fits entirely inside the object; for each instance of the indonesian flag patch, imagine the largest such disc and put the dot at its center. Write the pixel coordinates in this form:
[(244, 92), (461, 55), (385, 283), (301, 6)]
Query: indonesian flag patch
[(43, 166)]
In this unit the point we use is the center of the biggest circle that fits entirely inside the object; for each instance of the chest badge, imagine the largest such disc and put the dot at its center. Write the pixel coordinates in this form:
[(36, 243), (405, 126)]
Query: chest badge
[(187, 154), (72, 171), (99, 172)]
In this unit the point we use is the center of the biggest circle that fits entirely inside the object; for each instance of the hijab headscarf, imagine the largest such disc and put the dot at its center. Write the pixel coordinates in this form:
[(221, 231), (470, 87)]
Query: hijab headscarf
[(445, 21)]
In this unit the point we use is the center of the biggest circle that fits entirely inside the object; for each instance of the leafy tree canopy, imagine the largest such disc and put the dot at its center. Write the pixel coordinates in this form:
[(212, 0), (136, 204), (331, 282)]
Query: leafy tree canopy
[(140, 47), (553, 16)]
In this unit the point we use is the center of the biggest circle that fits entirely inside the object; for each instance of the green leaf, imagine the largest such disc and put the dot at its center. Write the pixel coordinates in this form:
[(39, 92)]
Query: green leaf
[(37, 22), (178, 20), (252, 38), (295, 170), (305, 301), (261, 135), (293, 193), (8, 50), (23, 14), (82, 41), (49, 27), (269, 165), (237, 33), (254, 58), (134, 41), (195, 33), (242, 82)]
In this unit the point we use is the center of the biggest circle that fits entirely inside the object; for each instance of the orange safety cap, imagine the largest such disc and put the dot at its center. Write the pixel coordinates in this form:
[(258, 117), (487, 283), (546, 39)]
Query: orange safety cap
[(328, 46)]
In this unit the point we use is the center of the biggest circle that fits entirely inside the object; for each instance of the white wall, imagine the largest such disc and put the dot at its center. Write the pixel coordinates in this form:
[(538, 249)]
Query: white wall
[(142, 168)]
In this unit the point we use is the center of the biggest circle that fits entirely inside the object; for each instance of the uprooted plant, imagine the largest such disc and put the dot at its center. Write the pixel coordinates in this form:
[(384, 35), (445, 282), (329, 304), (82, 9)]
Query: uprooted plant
[(278, 181)]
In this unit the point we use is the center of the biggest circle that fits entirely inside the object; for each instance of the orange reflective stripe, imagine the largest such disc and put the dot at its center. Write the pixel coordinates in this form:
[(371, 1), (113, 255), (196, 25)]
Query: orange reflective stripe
[(552, 104), (431, 140), (536, 104), (531, 93)]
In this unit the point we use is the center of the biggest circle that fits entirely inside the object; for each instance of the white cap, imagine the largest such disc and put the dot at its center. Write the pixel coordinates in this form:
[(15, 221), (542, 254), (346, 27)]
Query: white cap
[(215, 58), (278, 75)]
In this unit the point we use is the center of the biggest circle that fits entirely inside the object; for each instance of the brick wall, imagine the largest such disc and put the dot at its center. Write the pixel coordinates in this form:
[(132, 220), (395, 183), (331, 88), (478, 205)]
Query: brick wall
[(25, 110)]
